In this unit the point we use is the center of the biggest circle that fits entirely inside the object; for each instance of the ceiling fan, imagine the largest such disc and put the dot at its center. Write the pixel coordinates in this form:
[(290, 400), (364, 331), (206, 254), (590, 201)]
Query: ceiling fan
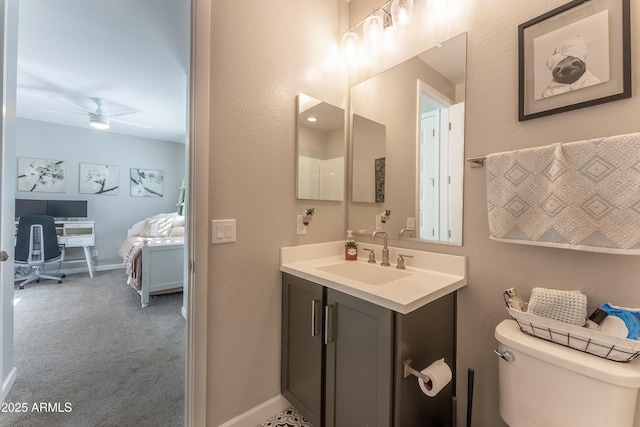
[(98, 119)]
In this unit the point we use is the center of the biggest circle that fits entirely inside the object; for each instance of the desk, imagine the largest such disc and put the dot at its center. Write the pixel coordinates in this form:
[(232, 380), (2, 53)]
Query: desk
[(76, 234)]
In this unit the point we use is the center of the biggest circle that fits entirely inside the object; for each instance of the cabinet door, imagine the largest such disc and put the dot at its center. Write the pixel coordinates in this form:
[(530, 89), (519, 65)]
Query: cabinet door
[(359, 362), (302, 346)]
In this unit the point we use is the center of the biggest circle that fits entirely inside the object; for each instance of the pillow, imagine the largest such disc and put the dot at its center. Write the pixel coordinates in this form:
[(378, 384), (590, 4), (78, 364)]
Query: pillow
[(176, 231), (136, 229), (156, 227), (178, 221)]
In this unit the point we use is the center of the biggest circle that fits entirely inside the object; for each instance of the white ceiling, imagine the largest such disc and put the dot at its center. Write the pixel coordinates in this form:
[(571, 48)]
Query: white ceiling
[(132, 53)]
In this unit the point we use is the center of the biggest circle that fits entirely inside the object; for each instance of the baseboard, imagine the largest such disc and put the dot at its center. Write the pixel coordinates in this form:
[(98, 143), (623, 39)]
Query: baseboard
[(260, 413), (8, 383), (108, 267), (76, 270)]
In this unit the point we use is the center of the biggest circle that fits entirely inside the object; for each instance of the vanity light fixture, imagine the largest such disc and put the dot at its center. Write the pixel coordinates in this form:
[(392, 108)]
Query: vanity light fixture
[(392, 16), (373, 31), (350, 41), (402, 11)]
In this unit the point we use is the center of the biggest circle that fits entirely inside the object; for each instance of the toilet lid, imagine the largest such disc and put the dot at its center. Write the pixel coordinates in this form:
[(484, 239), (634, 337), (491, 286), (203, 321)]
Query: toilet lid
[(511, 338)]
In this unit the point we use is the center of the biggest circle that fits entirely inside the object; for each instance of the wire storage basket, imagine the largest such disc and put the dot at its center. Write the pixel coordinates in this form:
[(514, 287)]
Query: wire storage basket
[(577, 337)]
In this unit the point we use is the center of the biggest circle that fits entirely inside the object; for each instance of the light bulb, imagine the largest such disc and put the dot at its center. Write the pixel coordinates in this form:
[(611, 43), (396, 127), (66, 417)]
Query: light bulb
[(373, 30), (350, 45), (401, 11)]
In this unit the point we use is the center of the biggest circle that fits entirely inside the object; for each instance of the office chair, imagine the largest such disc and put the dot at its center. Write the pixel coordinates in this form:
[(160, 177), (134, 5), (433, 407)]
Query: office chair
[(37, 246)]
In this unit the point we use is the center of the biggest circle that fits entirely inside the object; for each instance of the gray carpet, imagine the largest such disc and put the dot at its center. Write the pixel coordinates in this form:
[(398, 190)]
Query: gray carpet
[(87, 349)]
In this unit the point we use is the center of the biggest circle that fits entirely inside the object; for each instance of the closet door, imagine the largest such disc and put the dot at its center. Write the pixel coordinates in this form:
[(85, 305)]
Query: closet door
[(302, 346)]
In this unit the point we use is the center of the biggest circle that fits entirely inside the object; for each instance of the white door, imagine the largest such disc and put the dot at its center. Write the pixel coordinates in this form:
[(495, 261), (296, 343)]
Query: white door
[(8, 66), (429, 175), (456, 171)]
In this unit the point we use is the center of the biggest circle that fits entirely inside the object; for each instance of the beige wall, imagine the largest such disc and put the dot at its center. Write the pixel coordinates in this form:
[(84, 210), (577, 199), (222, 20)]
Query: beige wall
[(263, 54)]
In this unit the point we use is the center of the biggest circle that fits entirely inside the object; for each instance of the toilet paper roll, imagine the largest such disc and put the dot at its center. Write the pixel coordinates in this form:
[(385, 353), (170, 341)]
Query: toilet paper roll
[(438, 376)]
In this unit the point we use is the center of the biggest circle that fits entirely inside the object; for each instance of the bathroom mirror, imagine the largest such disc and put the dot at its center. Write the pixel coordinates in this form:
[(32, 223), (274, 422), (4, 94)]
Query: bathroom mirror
[(320, 142), (407, 142)]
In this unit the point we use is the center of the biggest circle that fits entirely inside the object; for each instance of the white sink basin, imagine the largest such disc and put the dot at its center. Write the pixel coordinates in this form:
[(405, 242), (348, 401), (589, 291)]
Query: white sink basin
[(373, 274)]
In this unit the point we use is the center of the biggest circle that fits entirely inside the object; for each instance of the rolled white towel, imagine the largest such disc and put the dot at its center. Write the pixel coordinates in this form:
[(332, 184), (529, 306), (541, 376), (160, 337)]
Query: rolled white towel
[(564, 306)]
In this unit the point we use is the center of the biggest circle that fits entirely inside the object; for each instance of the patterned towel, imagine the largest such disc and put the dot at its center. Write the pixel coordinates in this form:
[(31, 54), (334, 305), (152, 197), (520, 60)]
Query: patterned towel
[(581, 195)]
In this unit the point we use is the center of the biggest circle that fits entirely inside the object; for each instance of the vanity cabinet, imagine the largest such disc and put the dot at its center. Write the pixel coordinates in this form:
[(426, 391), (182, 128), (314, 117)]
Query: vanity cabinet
[(342, 358)]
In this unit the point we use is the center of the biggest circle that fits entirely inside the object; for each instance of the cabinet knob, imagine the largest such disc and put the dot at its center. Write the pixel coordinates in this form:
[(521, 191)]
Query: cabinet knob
[(4, 256)]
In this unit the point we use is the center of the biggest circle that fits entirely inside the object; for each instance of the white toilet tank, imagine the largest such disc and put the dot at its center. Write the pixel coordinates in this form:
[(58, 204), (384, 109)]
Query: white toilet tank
[(548, 385)]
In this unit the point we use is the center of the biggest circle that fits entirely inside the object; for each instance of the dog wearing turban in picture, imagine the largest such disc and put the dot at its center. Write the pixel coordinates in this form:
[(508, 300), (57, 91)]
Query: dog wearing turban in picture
[(568, 66)]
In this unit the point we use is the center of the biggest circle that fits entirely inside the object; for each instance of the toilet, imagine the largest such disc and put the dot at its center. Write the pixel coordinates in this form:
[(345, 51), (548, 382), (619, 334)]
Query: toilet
[(547, 384)]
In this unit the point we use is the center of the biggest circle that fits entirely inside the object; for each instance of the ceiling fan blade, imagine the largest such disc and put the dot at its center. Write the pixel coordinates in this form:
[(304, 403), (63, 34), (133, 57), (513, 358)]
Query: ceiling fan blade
[(114, 113), (65, 112), (72, 104), (126, 122)]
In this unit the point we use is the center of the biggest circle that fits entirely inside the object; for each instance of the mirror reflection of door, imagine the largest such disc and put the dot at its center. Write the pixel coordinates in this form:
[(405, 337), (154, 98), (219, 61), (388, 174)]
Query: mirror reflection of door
[(439, 148), (423, 185)]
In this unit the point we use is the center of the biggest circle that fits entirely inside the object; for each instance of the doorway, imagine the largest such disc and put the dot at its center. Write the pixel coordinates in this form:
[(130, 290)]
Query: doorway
[(9, 192)]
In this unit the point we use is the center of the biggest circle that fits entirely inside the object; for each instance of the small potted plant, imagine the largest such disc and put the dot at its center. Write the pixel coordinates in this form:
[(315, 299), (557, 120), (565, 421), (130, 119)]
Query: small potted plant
[(308, 216), (351, 250), (385, 215)]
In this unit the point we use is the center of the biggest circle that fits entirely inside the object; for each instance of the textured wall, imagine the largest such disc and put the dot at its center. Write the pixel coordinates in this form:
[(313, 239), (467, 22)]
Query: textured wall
[(492, 126), (262, 55)]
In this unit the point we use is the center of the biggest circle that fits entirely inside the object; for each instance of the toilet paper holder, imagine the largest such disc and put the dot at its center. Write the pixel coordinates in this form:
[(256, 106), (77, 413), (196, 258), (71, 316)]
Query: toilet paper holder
[(408, 370)]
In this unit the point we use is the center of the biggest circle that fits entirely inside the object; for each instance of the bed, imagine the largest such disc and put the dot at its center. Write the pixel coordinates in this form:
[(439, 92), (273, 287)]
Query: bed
[(153, 256)]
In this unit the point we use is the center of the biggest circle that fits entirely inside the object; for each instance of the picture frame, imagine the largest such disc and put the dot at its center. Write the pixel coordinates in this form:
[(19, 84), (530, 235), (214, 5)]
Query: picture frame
[(99, 179), (41, 175), (146, 182), (575, 56)]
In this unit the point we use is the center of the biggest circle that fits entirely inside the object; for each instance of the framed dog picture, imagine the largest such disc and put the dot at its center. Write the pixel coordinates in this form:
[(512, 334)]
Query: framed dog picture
[(573, 57)]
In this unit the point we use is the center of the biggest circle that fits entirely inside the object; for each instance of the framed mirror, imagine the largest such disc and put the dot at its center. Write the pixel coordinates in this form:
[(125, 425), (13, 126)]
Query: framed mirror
[(407, 142), (321, 151)]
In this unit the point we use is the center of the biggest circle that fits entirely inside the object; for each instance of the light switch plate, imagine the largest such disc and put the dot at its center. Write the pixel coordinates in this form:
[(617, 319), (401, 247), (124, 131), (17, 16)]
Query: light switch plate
[(223, 231)]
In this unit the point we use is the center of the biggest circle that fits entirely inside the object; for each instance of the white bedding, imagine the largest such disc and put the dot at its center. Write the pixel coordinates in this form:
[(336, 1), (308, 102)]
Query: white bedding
[(131, 248), (131, 251)]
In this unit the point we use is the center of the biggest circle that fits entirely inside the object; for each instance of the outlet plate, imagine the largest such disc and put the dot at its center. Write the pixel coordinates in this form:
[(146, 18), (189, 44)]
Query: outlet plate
[(300, 227)]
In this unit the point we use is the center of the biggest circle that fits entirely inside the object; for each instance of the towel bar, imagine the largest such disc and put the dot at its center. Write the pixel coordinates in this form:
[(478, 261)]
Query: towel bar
[(476, 162)]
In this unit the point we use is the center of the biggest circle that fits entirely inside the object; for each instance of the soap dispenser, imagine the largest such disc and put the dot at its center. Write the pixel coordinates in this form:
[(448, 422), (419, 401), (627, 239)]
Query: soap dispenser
[(350, 247)]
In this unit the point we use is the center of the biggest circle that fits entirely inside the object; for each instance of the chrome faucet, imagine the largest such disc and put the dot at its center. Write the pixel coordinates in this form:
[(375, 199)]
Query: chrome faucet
[(404, 230), (385, 249)]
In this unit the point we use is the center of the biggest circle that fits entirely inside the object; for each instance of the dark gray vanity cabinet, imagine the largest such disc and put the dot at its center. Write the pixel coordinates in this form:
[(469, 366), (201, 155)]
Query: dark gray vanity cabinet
[(303, 346), (336, 356), (342, 358), (359, 352)]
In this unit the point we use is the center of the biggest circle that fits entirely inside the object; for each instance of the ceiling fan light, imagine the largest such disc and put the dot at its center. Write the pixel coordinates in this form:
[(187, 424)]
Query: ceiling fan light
[(98, 121)]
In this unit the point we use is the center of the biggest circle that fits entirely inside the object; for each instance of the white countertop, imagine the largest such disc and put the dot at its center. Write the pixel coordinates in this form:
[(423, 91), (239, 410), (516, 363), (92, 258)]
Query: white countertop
[(428, 277)]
